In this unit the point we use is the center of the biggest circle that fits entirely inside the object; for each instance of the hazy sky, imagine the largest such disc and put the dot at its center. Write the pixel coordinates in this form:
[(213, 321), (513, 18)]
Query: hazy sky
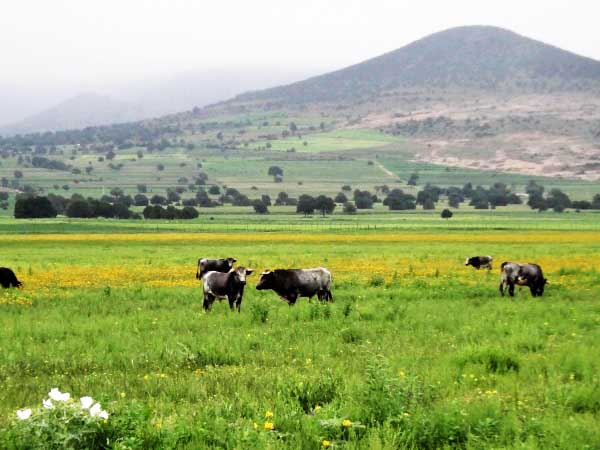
[(93, 42)]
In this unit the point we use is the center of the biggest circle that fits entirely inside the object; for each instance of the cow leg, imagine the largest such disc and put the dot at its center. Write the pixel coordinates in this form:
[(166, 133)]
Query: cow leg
[(501, 288), (329, 296), (208, 301), (231, 299), (511, 289), (292, 299), (533, 290)]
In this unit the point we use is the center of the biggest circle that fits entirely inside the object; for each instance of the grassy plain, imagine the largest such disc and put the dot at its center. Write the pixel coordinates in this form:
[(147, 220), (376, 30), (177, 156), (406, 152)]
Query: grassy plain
[(417, 351)]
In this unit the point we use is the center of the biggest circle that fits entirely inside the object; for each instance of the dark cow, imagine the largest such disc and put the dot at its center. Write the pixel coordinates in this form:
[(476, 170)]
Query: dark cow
[(290, 284), (218, 265), (479, 262), (8, 278), (228, 285), (523, 275)]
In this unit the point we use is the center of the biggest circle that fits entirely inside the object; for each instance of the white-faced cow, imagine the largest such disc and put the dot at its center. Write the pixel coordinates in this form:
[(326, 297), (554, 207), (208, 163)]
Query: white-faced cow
[(290, 284), (479, 262), (228, 285), (8, 278), (522, 275), (218, 265)]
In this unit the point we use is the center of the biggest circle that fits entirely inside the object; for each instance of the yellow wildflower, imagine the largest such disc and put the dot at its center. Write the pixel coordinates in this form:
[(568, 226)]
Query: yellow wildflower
[(346, 423), (255, 426), (325, 444), (268, 415), (269, 426)]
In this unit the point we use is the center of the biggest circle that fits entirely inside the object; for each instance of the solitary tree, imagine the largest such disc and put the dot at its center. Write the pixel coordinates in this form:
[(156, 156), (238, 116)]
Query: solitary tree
[(275, 170), (260, 207), (324, 204), (412, 181), (306, 205), (446, 214)]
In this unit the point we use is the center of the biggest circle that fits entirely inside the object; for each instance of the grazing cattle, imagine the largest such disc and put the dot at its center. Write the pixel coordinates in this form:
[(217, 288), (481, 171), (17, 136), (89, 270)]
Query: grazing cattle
[(523, 275), (8, 278), (228, 285), (290, 284), (218, 265), (480, 261)]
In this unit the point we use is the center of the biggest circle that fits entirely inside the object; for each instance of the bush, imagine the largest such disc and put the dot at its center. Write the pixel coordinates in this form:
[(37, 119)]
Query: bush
[(68, 425), (349, 208)]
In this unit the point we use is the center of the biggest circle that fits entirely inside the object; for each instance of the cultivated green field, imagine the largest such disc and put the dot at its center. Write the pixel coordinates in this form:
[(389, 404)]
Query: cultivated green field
[(417, 351)]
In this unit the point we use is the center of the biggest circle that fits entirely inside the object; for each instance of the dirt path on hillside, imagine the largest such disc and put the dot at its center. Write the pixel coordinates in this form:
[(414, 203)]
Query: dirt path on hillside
[(387, 171)]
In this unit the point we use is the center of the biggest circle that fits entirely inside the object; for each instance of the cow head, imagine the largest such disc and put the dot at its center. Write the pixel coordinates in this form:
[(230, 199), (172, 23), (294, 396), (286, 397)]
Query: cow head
[(199, 270), (240, 274), (468, 261), (231, 261), (266, 280)]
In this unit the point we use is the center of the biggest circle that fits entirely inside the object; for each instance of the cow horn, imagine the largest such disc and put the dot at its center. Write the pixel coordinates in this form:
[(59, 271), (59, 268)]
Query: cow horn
[(266, 272)]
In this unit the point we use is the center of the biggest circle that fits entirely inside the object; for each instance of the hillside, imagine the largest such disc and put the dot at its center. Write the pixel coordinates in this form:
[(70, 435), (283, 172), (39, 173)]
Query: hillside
[(512, 133), (474, 57), (78, 112)]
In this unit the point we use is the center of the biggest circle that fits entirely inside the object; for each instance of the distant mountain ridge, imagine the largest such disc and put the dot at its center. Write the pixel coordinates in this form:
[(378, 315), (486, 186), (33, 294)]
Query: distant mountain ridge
[(471, 57), (77, 112)]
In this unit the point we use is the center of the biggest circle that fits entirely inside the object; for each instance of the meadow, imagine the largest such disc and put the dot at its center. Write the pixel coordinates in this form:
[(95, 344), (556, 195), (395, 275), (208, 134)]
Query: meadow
[(417, 351)]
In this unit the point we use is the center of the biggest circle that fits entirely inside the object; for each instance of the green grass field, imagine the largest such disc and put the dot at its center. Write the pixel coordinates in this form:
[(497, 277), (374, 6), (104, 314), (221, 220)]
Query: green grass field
[(417, 351)]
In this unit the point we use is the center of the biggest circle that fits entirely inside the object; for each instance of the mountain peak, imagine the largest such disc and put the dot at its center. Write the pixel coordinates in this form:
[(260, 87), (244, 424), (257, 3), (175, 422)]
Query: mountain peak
[(469, 57)]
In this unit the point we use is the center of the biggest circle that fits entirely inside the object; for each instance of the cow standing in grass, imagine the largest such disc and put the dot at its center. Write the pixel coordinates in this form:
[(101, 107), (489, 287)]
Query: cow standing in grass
[(479, 262), (530, 275), (218, 265), (228, 285), (290, 284), (8, 278)]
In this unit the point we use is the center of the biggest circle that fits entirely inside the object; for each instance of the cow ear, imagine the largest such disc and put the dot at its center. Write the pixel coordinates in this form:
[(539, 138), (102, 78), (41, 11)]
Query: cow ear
[(249, 271), (266, 272)]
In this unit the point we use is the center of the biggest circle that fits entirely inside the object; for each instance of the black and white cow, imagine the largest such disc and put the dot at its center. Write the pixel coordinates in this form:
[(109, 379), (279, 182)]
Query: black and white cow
[(479, 262), (290, 284), (228, 285), (522, 275), (8, 278), (218, 265)]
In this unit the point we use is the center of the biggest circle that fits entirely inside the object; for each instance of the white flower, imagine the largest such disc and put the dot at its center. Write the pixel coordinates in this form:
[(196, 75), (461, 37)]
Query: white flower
[(47, 404), (24, 414), (95, 410), (86, 402), (55, 394)]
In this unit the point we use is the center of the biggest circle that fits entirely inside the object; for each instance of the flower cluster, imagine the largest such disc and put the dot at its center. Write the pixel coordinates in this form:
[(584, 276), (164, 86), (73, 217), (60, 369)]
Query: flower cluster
[(57, 398)]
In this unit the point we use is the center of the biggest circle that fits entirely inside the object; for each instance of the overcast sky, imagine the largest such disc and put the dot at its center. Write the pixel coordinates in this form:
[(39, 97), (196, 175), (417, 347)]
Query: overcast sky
[(92, 42)]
